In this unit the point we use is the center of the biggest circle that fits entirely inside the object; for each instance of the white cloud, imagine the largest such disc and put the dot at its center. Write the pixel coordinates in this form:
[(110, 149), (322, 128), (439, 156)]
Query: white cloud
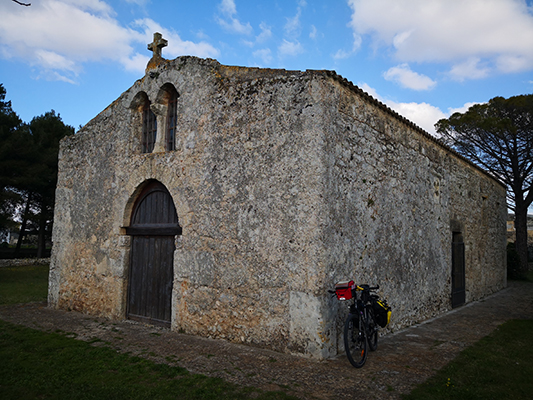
[(472, 68), (228, 7), (498, 32), (422, 114), (58, 36), (293, 25), (512, 63), (461, 109), (176, 46), (141, 3), (266, 33), (52, 60), (287, 48), (313, 33), (370, 90), (136, 63), (230, 22), (264, 54), (403, 75), (342, 54)]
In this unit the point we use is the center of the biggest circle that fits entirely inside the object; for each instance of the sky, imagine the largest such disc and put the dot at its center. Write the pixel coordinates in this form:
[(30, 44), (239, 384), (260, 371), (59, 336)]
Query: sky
[(425, 59)]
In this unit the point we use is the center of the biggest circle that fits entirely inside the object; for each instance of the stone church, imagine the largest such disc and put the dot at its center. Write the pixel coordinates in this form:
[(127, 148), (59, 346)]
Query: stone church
[(225, 201)]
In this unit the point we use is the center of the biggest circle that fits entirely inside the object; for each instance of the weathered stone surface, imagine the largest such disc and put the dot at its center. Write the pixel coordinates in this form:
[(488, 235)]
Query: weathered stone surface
[(284, 182)]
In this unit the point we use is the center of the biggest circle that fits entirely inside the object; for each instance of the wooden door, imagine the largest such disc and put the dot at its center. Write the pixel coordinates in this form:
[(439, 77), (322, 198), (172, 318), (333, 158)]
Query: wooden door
[(154, 225), (458, 270)]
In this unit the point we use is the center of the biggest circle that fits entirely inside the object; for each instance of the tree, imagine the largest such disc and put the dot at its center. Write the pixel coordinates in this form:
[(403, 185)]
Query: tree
[(10, 125), (28, 170), (498, 136), (46, 131)]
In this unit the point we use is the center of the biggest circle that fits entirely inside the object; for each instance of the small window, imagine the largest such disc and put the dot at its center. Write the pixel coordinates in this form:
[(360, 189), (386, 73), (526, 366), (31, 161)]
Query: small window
[(172, 120), (149, 128)]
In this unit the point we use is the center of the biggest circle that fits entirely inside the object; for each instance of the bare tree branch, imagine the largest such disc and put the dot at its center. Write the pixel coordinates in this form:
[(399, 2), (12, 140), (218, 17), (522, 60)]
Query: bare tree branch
[(22, 4)]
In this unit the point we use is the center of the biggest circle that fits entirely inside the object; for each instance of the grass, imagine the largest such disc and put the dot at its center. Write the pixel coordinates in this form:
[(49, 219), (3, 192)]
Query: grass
[(40, 365), (499, 366), (23, 284)]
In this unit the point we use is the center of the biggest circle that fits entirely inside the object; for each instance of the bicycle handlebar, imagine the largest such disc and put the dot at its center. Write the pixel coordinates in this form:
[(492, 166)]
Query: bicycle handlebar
[(357, 287), (370, 288)]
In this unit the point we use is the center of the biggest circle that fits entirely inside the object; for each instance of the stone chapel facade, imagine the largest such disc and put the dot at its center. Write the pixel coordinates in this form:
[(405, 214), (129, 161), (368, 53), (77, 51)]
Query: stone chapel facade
[(225, 201)]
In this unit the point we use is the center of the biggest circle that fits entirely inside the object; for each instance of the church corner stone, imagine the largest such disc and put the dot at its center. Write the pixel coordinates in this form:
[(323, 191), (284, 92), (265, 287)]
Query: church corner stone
[(282, 183)]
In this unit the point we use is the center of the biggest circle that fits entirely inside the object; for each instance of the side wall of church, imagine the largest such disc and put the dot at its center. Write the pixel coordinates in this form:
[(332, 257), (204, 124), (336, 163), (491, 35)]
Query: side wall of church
[(395, 199)]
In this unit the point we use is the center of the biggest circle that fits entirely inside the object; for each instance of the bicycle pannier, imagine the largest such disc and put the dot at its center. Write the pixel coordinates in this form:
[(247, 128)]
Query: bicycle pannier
[(382, 312), (343, 290)]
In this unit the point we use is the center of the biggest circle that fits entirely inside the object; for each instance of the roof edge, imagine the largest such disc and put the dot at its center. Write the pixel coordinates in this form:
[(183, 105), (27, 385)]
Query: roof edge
[(345, 82)]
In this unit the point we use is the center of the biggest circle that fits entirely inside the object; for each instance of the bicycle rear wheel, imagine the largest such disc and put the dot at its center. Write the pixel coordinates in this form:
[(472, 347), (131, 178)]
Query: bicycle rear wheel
[(355, 342)]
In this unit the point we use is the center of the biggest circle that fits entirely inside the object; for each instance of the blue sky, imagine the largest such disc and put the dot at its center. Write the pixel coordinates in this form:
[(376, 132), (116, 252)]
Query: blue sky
[(423, 58)]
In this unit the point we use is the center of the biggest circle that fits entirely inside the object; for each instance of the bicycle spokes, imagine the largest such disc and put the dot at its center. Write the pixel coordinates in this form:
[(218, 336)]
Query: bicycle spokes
[(355, 342)]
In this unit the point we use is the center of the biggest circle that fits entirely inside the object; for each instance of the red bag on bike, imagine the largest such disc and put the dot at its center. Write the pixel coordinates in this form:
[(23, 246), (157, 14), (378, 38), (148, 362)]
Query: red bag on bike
[(343, 290)]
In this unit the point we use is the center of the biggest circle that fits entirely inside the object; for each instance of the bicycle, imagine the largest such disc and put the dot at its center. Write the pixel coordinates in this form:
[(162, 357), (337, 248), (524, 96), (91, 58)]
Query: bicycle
[(366, 314)]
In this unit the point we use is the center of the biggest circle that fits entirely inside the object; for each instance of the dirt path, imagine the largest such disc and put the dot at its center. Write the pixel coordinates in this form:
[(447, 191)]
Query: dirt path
[(403, 359)]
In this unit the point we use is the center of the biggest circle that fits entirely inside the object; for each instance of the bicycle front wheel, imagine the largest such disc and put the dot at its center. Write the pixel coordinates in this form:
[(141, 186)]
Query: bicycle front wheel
[(372, 330), (355, 342)]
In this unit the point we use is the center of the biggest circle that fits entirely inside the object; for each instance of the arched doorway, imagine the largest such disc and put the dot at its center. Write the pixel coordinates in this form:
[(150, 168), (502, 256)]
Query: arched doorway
[(153, 227)]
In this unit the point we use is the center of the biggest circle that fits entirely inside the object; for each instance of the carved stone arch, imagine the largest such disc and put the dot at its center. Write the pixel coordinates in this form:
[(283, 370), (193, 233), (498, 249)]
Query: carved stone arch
[(144, 123), (165, 93), (167, 112), (128, 209), (138, 101)]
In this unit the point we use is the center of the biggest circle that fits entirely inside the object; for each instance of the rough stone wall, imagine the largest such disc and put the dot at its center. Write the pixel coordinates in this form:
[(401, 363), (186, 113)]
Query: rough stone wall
[(284, 182), (245, 180), (395, 197)]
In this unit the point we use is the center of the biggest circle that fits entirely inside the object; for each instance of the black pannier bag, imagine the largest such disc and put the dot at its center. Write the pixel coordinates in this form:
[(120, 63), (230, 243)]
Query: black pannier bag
[(382, 311)]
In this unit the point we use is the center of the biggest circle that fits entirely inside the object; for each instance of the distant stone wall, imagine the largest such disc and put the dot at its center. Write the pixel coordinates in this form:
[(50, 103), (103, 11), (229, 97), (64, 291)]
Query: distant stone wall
[(24, 261), (284, 182)]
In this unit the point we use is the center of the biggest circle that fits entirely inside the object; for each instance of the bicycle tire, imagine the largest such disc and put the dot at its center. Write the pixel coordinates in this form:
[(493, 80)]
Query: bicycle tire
[(372, 330), (355, 342)]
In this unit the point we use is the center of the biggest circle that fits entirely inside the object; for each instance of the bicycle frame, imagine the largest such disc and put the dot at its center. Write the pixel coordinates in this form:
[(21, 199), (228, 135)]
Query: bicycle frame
[(360, 307)]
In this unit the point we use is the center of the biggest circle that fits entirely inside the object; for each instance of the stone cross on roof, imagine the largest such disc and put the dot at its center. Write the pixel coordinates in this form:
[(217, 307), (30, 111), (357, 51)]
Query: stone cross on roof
[(157, 45)]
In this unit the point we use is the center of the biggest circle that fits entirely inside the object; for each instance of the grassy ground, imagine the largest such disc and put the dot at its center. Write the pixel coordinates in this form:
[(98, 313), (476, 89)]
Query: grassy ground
[(23, 284), (499, 366), (39, 365)]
